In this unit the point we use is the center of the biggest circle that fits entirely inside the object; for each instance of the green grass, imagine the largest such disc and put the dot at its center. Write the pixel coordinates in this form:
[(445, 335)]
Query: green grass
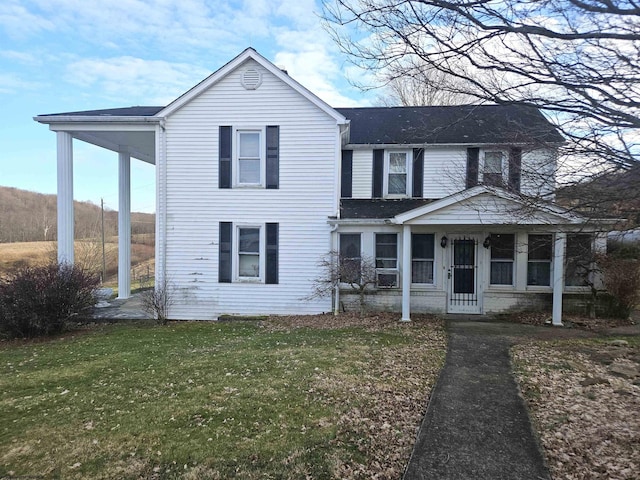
[(189, 400)]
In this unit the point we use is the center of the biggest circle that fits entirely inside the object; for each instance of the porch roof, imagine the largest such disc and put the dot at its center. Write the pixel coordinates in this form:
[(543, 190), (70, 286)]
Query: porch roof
[(359, 208), (128, 130)]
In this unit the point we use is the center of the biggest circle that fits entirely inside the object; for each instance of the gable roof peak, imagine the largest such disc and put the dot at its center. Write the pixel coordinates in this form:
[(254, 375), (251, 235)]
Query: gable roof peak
[(227, 68)]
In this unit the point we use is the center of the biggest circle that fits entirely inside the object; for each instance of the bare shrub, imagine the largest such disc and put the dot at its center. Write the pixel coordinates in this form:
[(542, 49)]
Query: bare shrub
[(622, 281), (40, 300), (358, 273), (158, 301)]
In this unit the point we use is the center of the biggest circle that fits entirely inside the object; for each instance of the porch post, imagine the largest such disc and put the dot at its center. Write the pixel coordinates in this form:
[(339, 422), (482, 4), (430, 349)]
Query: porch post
[(406, 273), (124, 225), (65, 197), (558, 277)]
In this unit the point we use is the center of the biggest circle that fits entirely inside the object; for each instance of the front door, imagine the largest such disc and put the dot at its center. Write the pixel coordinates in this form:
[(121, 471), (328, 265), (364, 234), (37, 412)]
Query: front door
[(463, 275)]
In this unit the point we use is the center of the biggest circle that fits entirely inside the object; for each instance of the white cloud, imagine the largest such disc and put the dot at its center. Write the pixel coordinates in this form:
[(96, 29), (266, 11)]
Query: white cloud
[(24, 58), (307, 54), (303, 13), (19, 22), (134, 80), (12, 83)]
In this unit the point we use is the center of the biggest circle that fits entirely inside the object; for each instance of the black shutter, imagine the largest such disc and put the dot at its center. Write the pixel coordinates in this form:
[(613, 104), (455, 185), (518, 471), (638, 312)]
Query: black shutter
[(378, 173), (272, 253), (346, 170), (473, 154), (418, 172), (273, 157), (515, 168), (224, 157), (224, 255)]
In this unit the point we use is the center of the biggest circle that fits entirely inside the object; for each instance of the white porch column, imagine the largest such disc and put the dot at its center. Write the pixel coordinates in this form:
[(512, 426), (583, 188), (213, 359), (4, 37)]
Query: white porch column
[(558, 277), (124, 225), (406, 273), (65, 197)]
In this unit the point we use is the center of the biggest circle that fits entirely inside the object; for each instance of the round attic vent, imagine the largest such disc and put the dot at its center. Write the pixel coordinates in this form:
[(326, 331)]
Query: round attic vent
[(251, 79)]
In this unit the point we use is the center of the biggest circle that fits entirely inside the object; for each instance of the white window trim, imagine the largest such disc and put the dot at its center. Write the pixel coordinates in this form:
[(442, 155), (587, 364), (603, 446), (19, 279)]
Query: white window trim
[(388, 271), (261, 250), (505, 163), (236, 151), (385, 183), (541, 288), (514, 267), (434, 273)]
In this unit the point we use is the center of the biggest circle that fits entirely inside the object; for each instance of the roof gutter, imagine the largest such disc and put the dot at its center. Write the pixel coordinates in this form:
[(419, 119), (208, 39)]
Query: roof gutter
[(369, 146), (51, 119)]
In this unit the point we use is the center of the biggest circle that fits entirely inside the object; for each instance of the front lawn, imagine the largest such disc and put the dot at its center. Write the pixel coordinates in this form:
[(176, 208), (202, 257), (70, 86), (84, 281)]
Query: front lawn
[(274, 399), (584, 397)]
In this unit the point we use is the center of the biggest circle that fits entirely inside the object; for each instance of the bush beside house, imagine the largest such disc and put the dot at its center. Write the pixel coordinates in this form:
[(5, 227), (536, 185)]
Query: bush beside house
[(41, 300)]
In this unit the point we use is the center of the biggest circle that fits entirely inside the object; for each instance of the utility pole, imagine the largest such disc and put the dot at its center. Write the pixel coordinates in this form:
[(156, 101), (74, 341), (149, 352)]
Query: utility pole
[(104, 258)]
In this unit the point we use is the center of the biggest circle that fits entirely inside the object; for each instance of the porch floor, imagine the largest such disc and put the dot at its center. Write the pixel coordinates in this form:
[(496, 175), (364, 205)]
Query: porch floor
[(118, 309)]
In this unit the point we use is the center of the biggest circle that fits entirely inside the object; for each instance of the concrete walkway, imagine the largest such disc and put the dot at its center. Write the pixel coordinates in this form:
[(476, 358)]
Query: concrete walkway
[(116, 309), (476, 425)]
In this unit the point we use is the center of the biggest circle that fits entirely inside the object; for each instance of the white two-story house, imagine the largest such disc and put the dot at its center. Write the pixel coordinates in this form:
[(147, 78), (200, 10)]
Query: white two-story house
[(257, 179)]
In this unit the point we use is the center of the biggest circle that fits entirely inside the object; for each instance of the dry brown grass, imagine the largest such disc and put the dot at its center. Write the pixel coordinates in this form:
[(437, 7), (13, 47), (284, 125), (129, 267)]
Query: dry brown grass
[(19, 254), (87, 252)]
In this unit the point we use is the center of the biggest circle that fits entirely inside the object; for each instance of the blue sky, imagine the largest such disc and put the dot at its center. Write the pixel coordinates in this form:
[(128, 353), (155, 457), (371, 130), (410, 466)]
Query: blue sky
[(69, 55)]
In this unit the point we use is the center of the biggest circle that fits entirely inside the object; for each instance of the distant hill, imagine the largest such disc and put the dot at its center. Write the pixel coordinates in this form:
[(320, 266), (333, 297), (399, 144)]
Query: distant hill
[(610, 195), (27, 216)]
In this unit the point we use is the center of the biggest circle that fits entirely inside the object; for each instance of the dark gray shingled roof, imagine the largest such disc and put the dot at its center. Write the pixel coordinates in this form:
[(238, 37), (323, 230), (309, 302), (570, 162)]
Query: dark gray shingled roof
[(112, 112), (354, 208), (473, 124)]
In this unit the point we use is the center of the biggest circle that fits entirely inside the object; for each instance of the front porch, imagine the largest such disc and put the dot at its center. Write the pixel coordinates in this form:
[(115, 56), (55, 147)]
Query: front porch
[(131, 133), (473, 253)]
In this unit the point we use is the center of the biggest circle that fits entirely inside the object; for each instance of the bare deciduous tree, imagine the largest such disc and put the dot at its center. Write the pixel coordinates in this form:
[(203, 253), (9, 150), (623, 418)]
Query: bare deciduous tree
[(575, 60), (416, 85), (335, 270)]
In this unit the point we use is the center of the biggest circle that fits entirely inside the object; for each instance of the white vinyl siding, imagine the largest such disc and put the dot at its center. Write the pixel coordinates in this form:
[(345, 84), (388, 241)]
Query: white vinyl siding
[(309, 142), (445, 171)]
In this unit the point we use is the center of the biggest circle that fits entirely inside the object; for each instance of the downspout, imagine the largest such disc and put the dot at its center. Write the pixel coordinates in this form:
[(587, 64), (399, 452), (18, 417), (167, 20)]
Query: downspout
[(336, 292)]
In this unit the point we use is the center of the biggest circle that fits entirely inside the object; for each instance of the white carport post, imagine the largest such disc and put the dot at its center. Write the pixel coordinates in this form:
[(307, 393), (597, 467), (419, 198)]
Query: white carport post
[(406, 273), (65, 197), (124, 225), (558, 277)]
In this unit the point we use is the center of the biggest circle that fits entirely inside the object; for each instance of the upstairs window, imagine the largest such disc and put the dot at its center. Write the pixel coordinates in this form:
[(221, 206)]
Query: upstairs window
[(539, 260), (492, 174), (422, 256), (249, 158), (397, 178), (502, 258), (387, 259)]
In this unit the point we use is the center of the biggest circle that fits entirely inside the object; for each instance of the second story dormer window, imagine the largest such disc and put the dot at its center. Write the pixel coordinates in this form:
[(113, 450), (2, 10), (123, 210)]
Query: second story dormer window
[(398, 171)]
